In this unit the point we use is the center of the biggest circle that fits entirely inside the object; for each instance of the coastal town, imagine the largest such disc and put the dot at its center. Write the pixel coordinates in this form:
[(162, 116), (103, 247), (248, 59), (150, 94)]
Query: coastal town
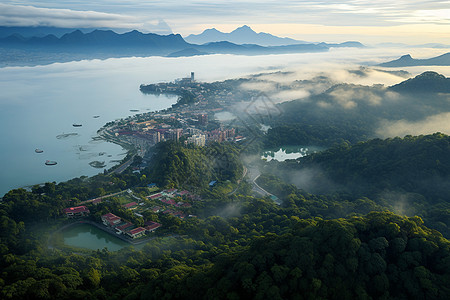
[(192, 120)]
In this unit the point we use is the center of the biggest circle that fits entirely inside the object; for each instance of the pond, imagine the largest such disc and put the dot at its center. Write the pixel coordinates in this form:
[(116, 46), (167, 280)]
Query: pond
[(289, 152), (90, 237)]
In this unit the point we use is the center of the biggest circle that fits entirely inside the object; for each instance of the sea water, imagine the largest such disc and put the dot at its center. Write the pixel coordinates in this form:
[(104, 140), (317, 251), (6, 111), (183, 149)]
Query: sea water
[(39, 105)]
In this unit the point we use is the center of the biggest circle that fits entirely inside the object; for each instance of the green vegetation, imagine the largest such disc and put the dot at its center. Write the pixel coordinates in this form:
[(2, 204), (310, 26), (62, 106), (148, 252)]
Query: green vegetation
[(334, 236), (255, 250), (176, 165), (408, 175), (238, 247)]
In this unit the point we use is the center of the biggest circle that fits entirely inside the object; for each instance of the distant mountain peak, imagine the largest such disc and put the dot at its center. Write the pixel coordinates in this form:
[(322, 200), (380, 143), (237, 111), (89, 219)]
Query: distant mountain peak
[(244, 28), (211, 30), (408, 61), (241, 35)]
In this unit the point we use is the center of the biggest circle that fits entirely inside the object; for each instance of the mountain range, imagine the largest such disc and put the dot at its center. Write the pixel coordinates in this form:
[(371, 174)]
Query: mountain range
[(16, 49), (408, 61)]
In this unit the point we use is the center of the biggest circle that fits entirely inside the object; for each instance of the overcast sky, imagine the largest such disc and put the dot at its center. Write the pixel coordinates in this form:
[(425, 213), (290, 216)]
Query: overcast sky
[(409, 21)]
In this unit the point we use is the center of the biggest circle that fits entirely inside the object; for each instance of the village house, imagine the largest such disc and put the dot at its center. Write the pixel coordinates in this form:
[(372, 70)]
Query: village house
[(124, 228), (75, 212), (151, 226), (110, 219), (137, 232), (155, 196), (131, 205)]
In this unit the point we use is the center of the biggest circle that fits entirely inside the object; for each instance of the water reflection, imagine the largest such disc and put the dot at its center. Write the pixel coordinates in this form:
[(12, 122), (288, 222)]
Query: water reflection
[(90, 237), (289, 152)]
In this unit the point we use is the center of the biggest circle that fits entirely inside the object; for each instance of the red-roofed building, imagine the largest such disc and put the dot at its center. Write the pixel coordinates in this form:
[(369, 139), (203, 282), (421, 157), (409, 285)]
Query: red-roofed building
[(155, 196), (75, 212), (168, 201), (97, 201), (171, 191), (151, 226), (111, 219), (123, 228), (137, 232), (130, 205)]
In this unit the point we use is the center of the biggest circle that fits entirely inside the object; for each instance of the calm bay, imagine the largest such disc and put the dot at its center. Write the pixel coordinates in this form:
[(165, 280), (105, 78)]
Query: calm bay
[(39, 105)]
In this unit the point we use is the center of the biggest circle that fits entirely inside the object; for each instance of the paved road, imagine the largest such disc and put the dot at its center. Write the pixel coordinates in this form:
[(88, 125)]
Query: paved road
[(123, 166), (254, 173), (244, 173), (258, 189), (102, 197)]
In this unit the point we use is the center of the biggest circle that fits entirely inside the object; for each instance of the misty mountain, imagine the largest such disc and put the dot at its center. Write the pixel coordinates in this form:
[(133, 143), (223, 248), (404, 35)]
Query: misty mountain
[(241, 35), (98, 38), (353, 113), (38, 31), (101, 44), (408, 61), (427, 82), (187, 52), (401, 45), (349, 44)]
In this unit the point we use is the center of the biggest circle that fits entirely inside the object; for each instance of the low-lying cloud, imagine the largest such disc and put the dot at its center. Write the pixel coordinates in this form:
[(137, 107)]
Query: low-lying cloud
[(432, 124), (348, 96)]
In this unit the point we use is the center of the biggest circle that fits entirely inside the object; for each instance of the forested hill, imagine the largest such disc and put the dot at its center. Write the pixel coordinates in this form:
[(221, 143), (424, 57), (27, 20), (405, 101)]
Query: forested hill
[(427, 82), (357, 113), (418, 164), (175, 165), (375, 257)]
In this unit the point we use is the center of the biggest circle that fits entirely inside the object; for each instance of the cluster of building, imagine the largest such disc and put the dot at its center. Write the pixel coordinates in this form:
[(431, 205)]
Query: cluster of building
[(115, 222), (169, 198), (185, 120), (128, 228), (149, 133)]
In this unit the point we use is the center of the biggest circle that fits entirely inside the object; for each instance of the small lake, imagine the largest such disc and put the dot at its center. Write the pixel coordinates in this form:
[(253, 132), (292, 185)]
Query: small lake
[(90, 237), (289, 152)]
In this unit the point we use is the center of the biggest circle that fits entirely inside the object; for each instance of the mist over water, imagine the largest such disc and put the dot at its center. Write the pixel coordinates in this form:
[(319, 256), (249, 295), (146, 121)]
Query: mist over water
[(37, 104)]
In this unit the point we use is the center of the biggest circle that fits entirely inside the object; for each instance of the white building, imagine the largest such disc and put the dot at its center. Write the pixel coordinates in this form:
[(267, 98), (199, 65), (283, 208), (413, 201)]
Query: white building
[(197, 139)]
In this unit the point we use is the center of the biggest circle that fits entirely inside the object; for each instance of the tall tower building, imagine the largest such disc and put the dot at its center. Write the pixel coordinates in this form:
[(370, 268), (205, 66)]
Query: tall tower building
[(192, 77)]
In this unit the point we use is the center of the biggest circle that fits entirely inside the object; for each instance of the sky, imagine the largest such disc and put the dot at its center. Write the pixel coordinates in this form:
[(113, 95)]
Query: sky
[(368, 21)]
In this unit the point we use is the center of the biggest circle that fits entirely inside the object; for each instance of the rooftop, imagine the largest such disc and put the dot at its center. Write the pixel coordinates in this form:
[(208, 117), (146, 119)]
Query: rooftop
[(76, 209), (136, 230)]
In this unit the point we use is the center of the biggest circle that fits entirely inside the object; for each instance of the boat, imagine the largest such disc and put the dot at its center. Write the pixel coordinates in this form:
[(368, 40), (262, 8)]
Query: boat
[(96, 116), (134, 110), (76, 125), (38, 150), (50, 163)]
